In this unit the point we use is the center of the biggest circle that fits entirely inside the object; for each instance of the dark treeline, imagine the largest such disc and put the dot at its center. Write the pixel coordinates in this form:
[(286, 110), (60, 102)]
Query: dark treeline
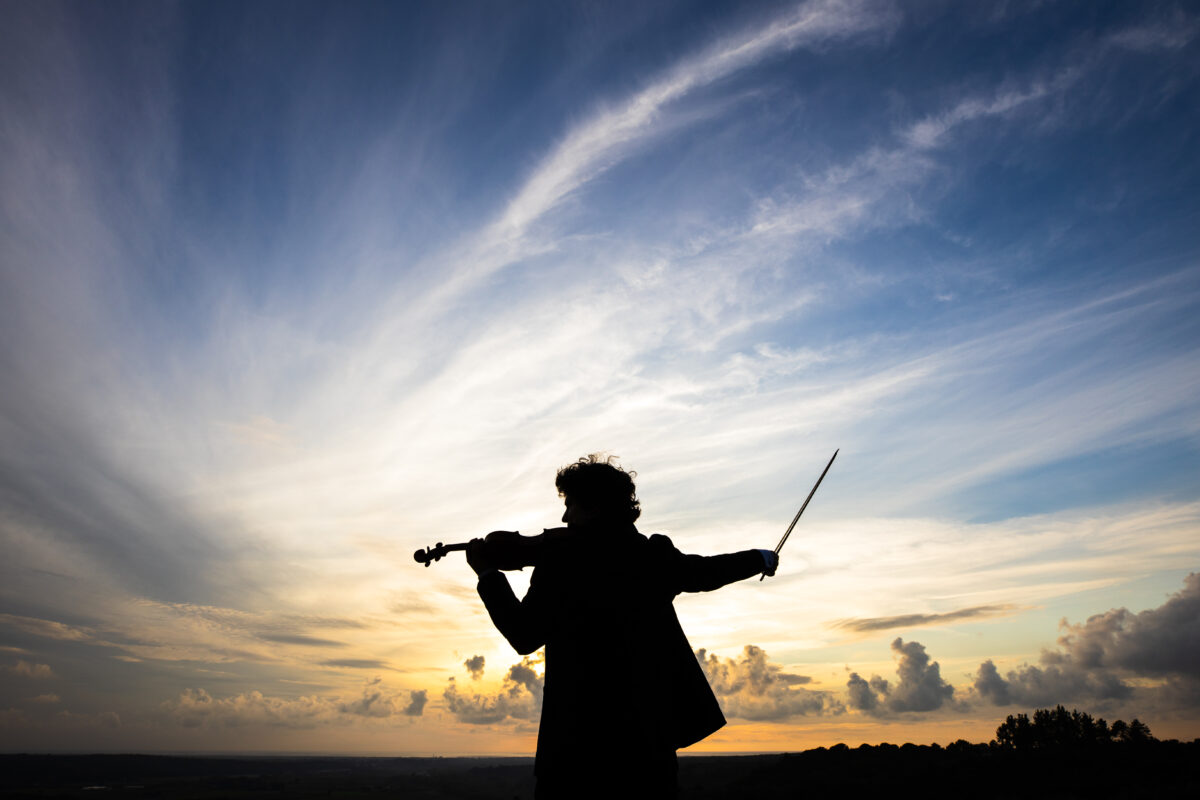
[(1053, 753)]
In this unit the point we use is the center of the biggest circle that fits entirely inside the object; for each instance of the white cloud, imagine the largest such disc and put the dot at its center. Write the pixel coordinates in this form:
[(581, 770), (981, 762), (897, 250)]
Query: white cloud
[(376, 701), (195, 708), (751, 687), (519, 699), (1100, 660), (920, 688)]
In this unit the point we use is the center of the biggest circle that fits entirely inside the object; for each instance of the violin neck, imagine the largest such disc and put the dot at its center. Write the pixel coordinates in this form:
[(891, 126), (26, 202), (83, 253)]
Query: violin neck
[(431, 554)]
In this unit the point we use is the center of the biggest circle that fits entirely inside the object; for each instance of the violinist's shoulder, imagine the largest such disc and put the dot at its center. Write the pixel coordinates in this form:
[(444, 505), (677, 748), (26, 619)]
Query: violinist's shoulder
[(662, 544)]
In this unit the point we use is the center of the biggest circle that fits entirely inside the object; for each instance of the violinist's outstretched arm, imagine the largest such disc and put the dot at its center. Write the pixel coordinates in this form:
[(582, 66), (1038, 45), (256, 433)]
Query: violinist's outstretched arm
[(692, 573), (519, 621)]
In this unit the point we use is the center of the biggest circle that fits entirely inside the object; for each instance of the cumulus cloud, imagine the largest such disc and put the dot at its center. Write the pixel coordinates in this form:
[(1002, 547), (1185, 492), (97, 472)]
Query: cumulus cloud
[(1049, 685), (416, 703), (1160, 641), (27, 669), (748, 687), (374, 702), (196, 708), (1095, 659), (920, 688), (520, 697), (524, 676), (474, 665), (475, 709), (989, 684), (751, 687), (860, 694), (45, 698), (918, 620)]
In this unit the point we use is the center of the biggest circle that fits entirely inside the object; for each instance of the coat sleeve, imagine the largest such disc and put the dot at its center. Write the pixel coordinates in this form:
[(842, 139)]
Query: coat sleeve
[(691, 573), (522, 622)]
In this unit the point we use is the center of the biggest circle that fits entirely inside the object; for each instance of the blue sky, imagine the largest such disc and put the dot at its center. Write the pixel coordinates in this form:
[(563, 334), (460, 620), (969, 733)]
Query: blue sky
[(290, 290)]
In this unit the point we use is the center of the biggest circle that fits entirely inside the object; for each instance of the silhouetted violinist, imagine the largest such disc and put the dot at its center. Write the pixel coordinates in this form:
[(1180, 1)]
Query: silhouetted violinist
[(623, 689)]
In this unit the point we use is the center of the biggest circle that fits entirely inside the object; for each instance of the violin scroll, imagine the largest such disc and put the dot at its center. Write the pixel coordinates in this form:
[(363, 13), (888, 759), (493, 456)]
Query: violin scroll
[(430, 554)]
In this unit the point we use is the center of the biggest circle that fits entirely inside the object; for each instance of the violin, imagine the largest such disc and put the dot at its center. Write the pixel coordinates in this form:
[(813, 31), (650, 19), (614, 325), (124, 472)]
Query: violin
[(508, 550)]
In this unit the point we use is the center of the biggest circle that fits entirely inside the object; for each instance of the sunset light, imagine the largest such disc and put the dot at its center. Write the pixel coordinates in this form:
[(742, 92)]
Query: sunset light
[(289, 291)]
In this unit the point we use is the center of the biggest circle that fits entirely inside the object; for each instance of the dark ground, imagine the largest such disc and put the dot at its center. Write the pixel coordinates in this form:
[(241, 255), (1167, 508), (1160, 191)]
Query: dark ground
[(1161, 769)]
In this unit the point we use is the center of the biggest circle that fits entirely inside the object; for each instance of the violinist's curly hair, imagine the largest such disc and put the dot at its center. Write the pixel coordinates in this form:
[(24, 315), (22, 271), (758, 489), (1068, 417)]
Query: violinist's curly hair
[(596, 482)]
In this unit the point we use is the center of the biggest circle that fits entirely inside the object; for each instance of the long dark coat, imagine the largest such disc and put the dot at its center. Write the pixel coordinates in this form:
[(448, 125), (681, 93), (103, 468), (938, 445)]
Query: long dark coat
[(622, 685)]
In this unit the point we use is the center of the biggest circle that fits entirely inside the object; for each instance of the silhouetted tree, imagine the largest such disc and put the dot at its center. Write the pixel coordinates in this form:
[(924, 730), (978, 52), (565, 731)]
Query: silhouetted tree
[(960, 746), (1061, 729), (1015, 733), (1138, 732)]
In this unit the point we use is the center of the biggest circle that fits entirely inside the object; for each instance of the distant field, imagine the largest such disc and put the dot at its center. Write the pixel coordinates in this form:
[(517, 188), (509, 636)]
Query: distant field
[(1162, 769)]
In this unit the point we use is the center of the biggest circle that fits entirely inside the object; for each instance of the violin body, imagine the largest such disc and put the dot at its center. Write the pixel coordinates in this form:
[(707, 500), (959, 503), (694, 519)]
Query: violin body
[(508, 550)]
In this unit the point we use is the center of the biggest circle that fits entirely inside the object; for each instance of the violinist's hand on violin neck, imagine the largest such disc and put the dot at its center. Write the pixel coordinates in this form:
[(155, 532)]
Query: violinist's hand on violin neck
[(477, 556)]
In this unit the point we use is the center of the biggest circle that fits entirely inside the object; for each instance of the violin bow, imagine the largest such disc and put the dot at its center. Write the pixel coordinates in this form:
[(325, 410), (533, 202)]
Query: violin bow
[(796, 518)]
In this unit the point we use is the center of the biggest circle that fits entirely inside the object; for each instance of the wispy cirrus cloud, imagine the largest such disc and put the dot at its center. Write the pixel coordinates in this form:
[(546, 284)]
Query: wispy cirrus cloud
[(1171, 31), (356, 663), (300, 639), (921, 620), (594, 146)]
